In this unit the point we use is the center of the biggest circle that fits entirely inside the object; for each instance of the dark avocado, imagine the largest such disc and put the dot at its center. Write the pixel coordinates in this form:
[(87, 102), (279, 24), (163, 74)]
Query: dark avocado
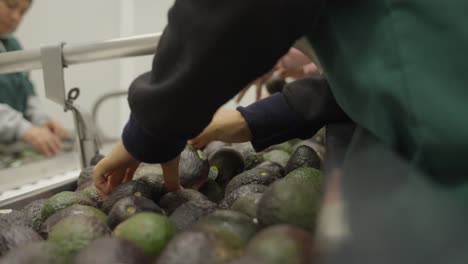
[(74, 210), (303, 156), (275, 84), (229, 162), (13, 217), (15, 236), (212, 191), (193, 168), (251, 158), (213, 146), (129, 206), (137, 188), (32, 213), (188, 213), (156, 183), (253, 176), (111, 250), (171, 201), (239, 192), (248, 204), (272, 166)]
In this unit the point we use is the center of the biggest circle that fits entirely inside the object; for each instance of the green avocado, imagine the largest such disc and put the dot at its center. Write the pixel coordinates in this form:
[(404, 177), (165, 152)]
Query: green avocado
[(303, 156), (282, 244), (129, 206), (111, 250), (61, 201), (308, 176), (229, 162), (149, 231), (240, 192), (213, 146), (73, 233), (136, 188), (193, 168), (32, 213), (171, 201), (253, 176), (92, 194)]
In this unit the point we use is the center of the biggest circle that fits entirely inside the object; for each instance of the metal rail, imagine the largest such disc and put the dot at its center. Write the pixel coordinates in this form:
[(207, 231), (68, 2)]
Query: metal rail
[(26, 60)]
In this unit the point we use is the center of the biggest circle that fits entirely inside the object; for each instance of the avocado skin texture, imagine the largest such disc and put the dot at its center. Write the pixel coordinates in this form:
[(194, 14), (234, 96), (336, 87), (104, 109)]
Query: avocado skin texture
[(229, 163), (190, 212), (92, 194), (248, 204), (129, 188), (15, 236), (32, 213), (212, 191), (171, 201), (239, 192), (213, 146), (272, 166), (73, 210), (129, 206), (253, 176), (111, 250), (193, 167), (14, 217), (61, 201), (74, 233), (279, 156), (39, 252), (303, 156), (282, 244)]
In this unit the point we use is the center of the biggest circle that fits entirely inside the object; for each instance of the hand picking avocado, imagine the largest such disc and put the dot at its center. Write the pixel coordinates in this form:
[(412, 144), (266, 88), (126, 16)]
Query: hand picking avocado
[(193, 168), (229, 162)]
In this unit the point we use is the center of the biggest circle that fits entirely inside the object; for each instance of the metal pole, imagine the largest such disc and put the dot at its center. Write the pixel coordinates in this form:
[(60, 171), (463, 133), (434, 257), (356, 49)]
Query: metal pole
[(26, 60)]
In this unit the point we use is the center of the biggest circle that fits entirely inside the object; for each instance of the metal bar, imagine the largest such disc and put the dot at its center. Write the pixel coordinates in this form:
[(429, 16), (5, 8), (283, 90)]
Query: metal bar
[(26, 60)]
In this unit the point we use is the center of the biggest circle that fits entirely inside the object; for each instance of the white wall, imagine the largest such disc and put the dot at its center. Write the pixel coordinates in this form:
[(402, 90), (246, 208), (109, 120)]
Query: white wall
[(54, 21)]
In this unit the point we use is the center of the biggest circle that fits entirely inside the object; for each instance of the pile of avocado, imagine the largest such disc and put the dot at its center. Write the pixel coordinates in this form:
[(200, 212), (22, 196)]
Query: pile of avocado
[(237, 206)]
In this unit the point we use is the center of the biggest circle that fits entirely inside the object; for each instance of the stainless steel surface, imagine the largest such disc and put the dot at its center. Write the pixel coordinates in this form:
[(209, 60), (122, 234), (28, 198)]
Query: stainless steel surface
[(54, 81), (27, 60)]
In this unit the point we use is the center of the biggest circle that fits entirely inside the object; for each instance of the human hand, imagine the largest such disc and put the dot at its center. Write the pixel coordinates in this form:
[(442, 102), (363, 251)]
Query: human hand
[(116, 168), (171, 175), (56, 128), (42, 140), (227, 125)]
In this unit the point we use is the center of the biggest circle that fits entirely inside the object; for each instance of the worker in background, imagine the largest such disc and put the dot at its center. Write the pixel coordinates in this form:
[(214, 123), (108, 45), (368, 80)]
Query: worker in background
[(396, 68), (21, 114)]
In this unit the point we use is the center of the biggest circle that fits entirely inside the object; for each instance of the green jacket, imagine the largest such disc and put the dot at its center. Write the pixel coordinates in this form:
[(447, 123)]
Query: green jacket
[(15, 88)]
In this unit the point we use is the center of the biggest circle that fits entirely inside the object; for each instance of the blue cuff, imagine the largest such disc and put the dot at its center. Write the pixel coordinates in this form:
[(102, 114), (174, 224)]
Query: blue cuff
[(148, 148), (271, 121)]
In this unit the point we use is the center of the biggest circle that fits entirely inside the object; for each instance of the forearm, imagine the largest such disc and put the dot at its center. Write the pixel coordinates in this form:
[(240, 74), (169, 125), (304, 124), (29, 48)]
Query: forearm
[(12, 124), (35, 112)]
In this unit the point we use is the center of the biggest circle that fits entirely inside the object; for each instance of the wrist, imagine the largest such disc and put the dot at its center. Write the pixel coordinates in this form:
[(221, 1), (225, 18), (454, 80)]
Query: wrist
[(242, 129)]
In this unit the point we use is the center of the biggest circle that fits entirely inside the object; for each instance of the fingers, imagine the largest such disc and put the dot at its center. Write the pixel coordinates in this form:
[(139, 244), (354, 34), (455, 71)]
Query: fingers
[(101, 174), (115, 179), (206, 136), (130, 173)]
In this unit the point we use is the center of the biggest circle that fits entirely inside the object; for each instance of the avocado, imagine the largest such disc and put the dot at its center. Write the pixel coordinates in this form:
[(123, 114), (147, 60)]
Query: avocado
[(199, 247), (272, 166), (281, 244), (309, 176), (137, 188), (129, 206), (253, 176), (239, 192), (84, 186), (32, 213), (247, 204), (246, 260), (285, 146), (188, 213), (171, 201), (279, 156), (156, 183), (61, 201), (35, 252), (111, 250), (303, 156), (193, 168), (92, 194), (13, 217), (86, 175), (212, 191), (228, 224), (229, 163), (213, 146), (289, 202), (319, 149), (275, 84), (73, 210), (15, 236), (149, 231), (251, 158), (73, 233)]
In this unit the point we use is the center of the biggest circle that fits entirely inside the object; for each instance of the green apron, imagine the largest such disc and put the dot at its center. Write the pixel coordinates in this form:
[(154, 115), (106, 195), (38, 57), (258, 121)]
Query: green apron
[(15, 88)]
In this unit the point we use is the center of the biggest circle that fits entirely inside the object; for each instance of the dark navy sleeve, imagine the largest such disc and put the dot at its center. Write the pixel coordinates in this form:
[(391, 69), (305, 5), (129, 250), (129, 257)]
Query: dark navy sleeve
[(146, 147), (299, 111)]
